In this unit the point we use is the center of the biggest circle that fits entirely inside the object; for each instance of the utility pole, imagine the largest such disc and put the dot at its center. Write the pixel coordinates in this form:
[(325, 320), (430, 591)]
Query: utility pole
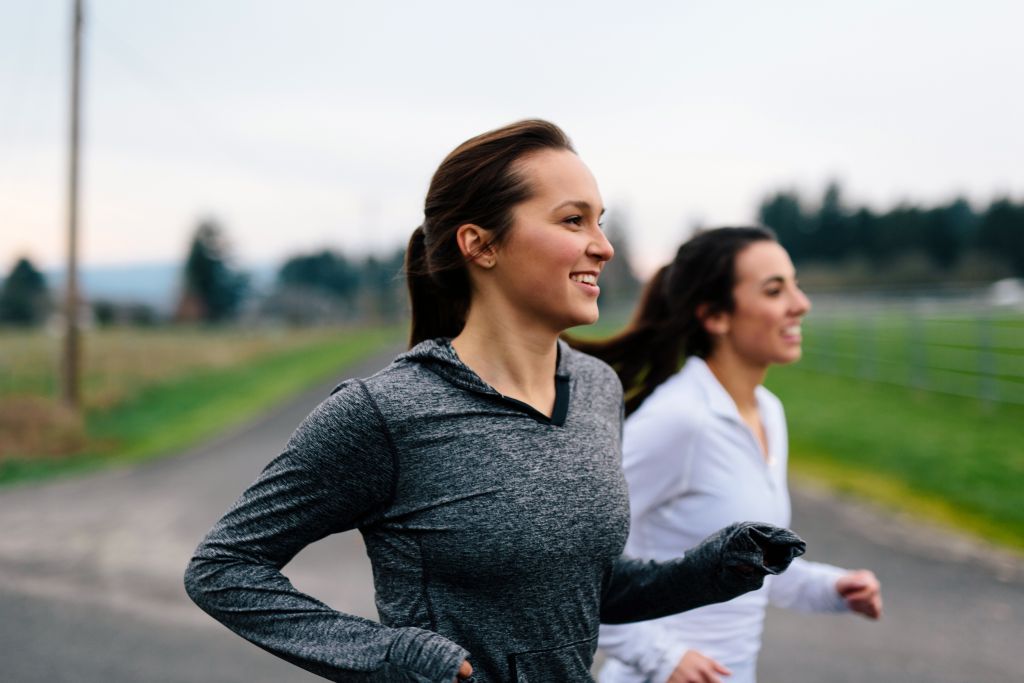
[(70, 367)]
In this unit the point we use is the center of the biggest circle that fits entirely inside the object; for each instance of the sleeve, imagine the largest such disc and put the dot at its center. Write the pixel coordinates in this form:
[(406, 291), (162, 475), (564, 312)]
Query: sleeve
[(646, 647), (335, 474), (729, 563), (807, 587)]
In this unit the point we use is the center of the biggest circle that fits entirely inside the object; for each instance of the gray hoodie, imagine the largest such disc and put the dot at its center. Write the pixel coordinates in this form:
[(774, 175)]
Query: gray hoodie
[(494, 532)]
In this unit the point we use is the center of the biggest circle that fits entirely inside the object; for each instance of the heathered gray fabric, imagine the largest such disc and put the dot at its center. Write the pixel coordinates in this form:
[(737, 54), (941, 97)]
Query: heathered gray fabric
[(494, 534)]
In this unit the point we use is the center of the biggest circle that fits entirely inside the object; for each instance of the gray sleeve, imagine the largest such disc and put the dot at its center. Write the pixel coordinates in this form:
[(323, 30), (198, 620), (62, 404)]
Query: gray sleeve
[(335, 474), (726, 564)]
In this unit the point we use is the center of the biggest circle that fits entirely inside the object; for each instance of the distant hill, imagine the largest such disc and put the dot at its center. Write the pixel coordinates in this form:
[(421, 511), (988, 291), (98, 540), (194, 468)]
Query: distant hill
[(154, 284)]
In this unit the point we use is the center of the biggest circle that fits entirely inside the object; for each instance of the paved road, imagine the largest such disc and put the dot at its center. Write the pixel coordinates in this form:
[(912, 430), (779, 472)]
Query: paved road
[(954, 609), (90, 582)]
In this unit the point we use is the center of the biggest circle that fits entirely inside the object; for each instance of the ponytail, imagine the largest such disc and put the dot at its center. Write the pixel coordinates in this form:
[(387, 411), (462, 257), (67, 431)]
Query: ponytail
[(437, 311), (667, 327)]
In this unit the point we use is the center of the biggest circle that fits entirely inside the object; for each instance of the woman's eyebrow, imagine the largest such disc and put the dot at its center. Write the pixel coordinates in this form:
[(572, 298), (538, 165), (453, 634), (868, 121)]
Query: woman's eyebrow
[(773, 279), (579, 204)]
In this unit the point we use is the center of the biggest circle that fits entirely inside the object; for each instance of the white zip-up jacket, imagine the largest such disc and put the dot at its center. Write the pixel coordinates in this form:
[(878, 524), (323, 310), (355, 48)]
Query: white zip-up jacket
[(692, 466)]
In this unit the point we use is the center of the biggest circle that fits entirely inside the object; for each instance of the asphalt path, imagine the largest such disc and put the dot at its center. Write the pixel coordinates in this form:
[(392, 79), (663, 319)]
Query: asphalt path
[(91, 590)]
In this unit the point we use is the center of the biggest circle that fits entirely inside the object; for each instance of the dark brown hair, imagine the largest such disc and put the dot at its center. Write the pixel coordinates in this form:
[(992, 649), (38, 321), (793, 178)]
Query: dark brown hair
[(665, 328), (477, 183)]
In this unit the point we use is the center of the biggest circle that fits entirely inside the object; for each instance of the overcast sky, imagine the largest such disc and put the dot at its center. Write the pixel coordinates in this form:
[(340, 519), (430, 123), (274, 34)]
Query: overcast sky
[(317, 123)]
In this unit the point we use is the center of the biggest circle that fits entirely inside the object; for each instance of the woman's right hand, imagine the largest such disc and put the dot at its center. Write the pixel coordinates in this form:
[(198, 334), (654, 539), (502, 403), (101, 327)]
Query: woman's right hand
[(696, 668), (465, 671)]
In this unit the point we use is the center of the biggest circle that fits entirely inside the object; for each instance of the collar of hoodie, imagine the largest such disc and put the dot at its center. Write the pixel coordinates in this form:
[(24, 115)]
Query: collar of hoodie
[(439, 357)]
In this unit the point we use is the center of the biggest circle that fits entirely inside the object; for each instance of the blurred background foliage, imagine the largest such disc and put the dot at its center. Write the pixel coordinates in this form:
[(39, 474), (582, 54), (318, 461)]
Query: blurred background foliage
[(842, 245)]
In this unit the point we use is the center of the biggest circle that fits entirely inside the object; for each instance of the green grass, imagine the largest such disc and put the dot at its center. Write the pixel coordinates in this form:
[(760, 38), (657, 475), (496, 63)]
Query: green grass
[(980, 355), (950, 459), (118, 363), (178, 412)]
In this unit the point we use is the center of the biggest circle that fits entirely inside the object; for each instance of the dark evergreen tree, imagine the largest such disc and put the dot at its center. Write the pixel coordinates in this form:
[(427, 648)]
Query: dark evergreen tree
[(904, 230), (327, 271), (865, 238), (783, 213), (947, 231), (1001, 233), (213, 290), (830, 237), (23, 297)]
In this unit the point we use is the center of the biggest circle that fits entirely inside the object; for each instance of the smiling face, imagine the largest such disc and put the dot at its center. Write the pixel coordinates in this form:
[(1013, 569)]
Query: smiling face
[(764, 326), (547, 269)]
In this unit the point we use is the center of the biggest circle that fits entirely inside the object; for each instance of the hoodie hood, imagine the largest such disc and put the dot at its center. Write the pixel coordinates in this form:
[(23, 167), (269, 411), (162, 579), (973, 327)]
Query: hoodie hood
[(438, 356)]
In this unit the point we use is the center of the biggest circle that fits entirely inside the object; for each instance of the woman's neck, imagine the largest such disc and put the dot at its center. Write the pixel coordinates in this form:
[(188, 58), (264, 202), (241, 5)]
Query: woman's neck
[(738, 377), (517, 359)]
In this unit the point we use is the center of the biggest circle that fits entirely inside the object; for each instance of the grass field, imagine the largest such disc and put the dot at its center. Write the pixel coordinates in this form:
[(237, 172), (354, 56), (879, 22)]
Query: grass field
[(919, 410), (119, 362), (886, 407), (153, 392), (976, 354), (948, 458)]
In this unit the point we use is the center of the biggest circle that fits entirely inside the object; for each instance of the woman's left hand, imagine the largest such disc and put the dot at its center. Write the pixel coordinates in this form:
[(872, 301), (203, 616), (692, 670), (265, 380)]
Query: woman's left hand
[(862, 592)]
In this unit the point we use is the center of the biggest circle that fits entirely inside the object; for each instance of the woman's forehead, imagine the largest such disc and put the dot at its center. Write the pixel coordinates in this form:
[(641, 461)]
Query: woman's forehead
[(762, 260), (559, 176)]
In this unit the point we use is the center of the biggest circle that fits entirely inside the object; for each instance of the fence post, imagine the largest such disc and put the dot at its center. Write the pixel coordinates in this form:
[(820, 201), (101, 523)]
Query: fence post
[(987, 388), (918, 353), (869, 349)]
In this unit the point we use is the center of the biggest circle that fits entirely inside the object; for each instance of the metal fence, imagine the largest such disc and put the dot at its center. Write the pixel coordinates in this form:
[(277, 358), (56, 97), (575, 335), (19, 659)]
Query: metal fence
[(960, 342)]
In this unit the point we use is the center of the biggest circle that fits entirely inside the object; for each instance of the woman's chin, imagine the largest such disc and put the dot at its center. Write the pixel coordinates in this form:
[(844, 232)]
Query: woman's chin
[(791, 356), (587, 319)]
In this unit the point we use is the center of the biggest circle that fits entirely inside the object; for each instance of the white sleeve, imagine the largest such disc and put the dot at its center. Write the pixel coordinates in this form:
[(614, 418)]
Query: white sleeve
[(807, 587), (645, 647), (655, 459)]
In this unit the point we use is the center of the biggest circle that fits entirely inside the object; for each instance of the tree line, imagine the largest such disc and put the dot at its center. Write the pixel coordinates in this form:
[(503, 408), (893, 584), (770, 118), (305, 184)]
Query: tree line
[(953, 240), (316, 287), (942, 238), (323, 286)]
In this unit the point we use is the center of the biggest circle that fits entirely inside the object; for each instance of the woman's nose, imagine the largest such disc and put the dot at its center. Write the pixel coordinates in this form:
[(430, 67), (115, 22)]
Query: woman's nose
[(801, 304), (600, 248)]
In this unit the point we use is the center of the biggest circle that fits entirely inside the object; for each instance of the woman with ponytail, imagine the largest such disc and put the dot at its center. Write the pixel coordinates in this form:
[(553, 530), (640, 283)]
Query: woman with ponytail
[(482, 467), (706, 445)]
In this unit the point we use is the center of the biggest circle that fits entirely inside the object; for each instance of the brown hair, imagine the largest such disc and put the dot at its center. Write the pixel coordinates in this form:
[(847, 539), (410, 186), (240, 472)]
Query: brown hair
[(666, 329), (478, 183)]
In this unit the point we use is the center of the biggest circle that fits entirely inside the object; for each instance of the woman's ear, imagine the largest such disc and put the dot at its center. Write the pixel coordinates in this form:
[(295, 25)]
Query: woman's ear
[(715, 324), (475, 245)]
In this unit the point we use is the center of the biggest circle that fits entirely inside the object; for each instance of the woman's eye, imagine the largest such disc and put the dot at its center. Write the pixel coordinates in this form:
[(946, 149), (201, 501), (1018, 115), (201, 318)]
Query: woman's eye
[(575, 220), (773, 292)]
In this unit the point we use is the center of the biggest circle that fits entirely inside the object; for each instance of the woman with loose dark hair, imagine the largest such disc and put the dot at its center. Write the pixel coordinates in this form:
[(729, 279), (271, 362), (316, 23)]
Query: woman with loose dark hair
[(482, 467), (706, 445)]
